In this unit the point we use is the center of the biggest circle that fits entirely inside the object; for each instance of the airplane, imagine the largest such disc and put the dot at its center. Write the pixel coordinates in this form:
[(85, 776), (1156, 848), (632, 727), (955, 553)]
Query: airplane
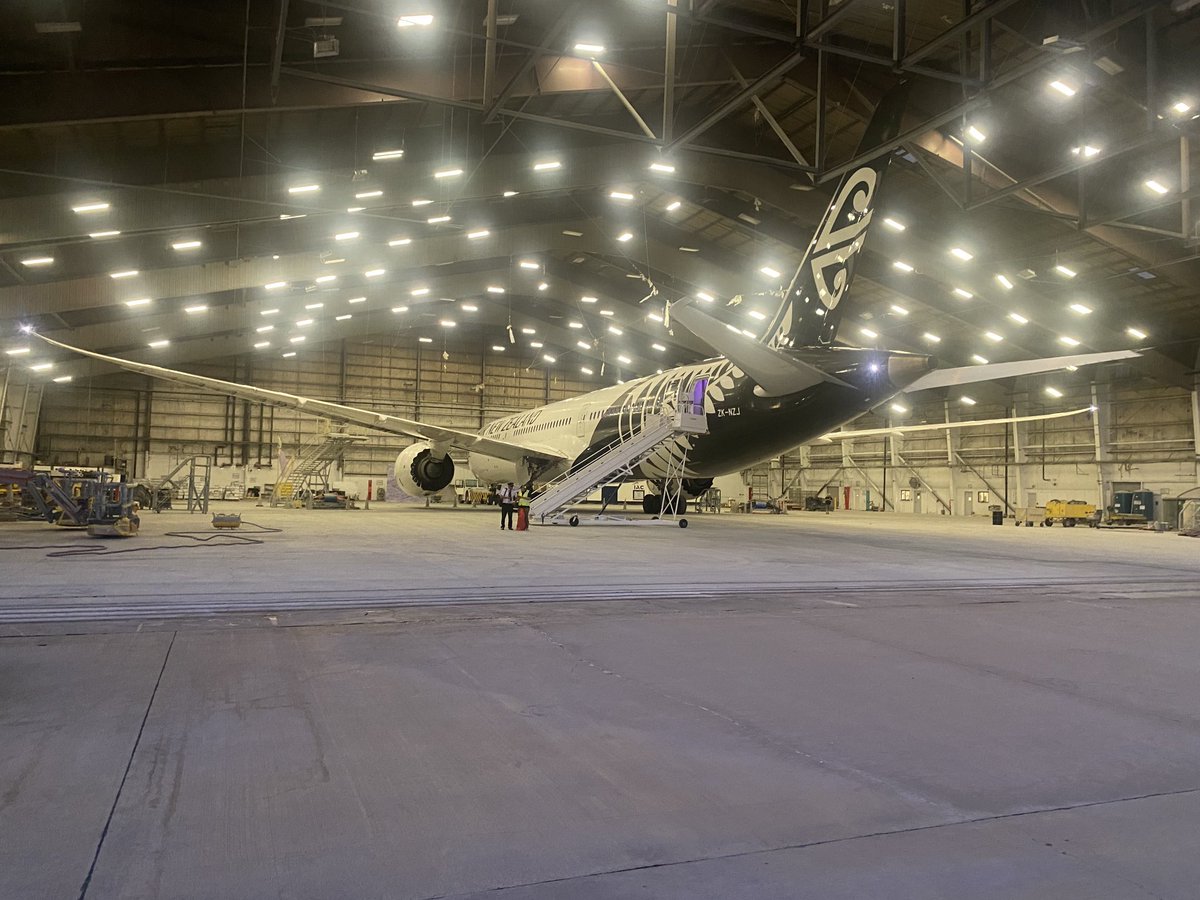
[(762, 396)]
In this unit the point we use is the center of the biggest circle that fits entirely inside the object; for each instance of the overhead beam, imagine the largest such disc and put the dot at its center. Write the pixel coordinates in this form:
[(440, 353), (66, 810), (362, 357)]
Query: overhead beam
[(830, 21), (553, 33), (277, 49), (780, 133), (980, 16)]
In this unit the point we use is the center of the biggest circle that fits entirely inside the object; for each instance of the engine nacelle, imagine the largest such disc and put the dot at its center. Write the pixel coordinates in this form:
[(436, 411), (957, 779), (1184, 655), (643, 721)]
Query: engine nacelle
[(694, 487), (421, 472)]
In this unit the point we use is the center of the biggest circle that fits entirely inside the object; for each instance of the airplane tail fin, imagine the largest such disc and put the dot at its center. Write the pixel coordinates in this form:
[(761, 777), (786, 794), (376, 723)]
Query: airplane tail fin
[(811, 310)]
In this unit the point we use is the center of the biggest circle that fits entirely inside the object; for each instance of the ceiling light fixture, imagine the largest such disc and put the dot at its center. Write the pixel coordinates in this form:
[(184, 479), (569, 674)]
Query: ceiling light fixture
[(962, 254), (447, 173), (1157, 187), (868, 333), (419, 292), (400, 242), (374, 273), (624, 359), (103, 234), (993, 337), (674, 205), (1136, 333), (931, 337), (981, 360), (620, 195), (585, 370), (35, 261), (476, 235), (141, 301), (304, 189), (586, 47), (343, 317), (894, 225), (274, 285), (261, 344), (353, 300), (387, 154), (707, 298), (90, 207), (1018, 318), (495, 289), (269, 312), (1003, 281), (1063, 88), (346, 236), (438, 220), (423, 20), (399, 309), (1068, 341), (543, 286), (263, 329), (160, 343), (898, 309), (366, 195), (1053, 392), (528, 264), (975, 134), (769, 271), (965, 295), (625, 236), (547, 166), (902, 266), (1081, 309), (1065, 271), (325, 279), (665, 168), (193, 310)]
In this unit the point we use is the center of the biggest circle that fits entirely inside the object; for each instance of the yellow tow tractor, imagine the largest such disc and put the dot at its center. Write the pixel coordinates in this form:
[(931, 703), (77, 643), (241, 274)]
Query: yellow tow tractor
[(1070, 513)]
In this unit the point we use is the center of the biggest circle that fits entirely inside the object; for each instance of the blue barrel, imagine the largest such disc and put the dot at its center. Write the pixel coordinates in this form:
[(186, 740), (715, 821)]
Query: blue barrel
[(1123, 502), (1143, 503)]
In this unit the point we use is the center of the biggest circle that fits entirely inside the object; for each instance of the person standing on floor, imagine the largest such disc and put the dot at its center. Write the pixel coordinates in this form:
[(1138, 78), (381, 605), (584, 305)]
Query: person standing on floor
[(508, 499), (523, 511)]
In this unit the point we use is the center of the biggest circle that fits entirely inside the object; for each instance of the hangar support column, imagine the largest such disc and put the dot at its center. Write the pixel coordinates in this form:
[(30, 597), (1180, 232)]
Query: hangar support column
[(1101, 434)]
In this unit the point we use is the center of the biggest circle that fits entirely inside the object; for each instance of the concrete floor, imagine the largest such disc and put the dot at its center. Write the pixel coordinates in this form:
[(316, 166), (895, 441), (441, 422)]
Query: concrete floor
[(837, 706)]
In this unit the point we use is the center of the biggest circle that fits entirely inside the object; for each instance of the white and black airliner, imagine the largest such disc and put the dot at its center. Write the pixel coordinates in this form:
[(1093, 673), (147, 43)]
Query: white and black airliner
[(764, 396)]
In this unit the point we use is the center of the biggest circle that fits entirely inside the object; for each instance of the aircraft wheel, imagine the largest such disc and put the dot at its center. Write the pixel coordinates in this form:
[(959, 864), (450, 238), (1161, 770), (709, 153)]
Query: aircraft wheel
[(683, 523), (652, 504), (573, 521)]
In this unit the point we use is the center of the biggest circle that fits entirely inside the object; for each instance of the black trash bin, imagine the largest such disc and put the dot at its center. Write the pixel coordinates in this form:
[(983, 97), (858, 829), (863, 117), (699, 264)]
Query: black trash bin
[(997, 517)]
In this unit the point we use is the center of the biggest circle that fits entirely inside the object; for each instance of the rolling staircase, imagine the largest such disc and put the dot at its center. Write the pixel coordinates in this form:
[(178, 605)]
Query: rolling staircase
[(308, 470), (619, 459)]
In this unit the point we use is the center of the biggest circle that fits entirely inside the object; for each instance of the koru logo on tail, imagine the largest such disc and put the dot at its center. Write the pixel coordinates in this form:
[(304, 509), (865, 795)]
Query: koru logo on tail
[(841, 236)]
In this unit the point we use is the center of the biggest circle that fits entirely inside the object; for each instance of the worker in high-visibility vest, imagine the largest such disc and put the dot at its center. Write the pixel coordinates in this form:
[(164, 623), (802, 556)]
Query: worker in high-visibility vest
[(523, 509)]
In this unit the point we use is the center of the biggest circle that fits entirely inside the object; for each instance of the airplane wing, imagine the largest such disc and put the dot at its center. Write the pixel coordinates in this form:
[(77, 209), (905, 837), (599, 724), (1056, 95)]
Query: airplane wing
[(938, 426), (437, 434)]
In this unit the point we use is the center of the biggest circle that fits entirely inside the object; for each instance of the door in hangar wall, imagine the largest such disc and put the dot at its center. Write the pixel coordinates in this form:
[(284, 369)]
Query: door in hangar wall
[(916, 500), (968, 507)]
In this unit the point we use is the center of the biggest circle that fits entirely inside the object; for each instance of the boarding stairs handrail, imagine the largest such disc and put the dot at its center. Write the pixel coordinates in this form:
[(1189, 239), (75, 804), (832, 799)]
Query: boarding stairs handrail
[(612, 460)]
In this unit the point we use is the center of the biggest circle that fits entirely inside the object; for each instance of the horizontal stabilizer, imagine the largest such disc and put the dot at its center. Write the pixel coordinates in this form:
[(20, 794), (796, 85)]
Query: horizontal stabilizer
[(775, 373), (994, 371)]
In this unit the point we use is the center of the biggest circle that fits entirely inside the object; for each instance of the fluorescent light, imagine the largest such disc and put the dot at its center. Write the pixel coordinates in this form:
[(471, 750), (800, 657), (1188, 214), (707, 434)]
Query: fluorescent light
[(899, 408), (624, 359), (993, 337), (894, 225), (354, 209), (141, 301), (931, 337), (613, 329), (1136, 333), (868, 333), (298, 339), (346, 236), (447, 173), (425, 340), (289, 355), (547, 166), (192, 310), (186, 245), (528, 264), (961, 253), (42, 367), (303, 323), (959, 292), (975, 134), (330, 261), (755, 314), (269, 312), (399, 309), (499, 348), (659, 347), (674, 205), (419, 292), (374, 273), (161, 342), (569, 233), (1063, 88), (261, 344), (343, 317), (275, 285), (1003, 281), (90, 207), (543, 286), (968, 401), (35, 261), (476, 235), (421, 202), (1156, 187), (661, 167), (1068, 341), (585, 370), (437, 220), (469, 307), (982, 360), (587, 299), (263, 329), (707, 298), (325, 279), (625, 236), (1081, 309), (447, 323), (366, 195), (103, 234), (898, 309), (409, 21), (689, 249), (509, 194), (17, 351), (357, 300), (1087, 150), (620, 195), (528, 330), (304, 189), (387, 154), (63, 379), (769, 272), (606, 312), (314, 306), (1018, 318), (583, 345), (1053, 392), (495, 289), (1181, 107), (548, 358), (283, 217), (902, 266), (1065, 271), (589, 48), (654, 317), (400, 242)]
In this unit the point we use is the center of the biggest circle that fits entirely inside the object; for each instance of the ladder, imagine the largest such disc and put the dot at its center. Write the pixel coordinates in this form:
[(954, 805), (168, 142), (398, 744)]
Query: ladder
[(194, 488), (619, 458), (309, 468)]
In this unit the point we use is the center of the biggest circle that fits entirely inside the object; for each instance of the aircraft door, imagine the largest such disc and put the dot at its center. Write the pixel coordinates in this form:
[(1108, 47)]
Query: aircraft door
[(582, 420)]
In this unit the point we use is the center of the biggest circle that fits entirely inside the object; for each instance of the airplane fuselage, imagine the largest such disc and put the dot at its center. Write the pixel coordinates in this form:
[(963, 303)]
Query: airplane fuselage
[(744, 428)]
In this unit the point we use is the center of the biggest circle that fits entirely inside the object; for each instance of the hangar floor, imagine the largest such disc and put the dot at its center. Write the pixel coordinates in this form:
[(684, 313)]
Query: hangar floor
[(838, 706)]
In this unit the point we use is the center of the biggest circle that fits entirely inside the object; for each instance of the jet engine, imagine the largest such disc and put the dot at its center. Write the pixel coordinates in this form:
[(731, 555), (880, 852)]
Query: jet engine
[(420, 471)]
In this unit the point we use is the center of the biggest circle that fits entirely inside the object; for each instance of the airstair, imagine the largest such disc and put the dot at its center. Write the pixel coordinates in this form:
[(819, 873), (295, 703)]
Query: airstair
[(307, 472), (620, 458)]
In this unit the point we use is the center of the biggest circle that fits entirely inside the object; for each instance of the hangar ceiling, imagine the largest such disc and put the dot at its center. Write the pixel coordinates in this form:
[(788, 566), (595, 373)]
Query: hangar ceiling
[(450, 169)]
